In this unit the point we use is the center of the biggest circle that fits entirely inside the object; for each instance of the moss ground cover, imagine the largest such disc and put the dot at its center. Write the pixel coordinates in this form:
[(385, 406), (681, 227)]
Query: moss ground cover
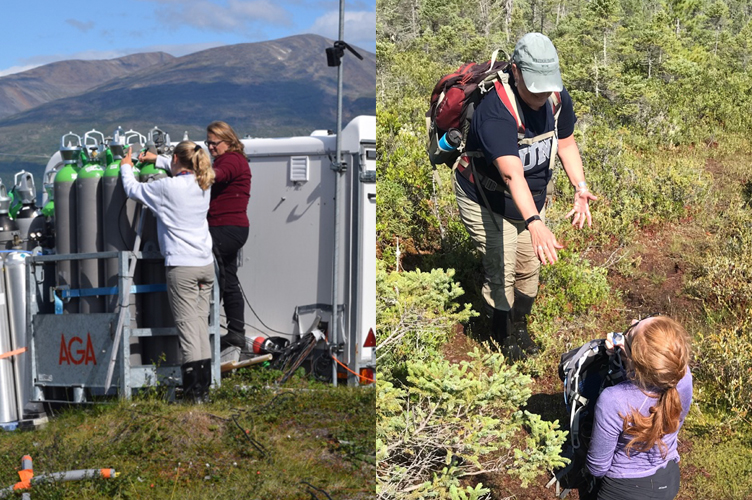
[(305, 435)]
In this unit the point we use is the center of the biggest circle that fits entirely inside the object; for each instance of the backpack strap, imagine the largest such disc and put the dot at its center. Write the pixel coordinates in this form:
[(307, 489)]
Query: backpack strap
[(483, 195), (508, 99), (555, 100), (493, 60), (466, 167)]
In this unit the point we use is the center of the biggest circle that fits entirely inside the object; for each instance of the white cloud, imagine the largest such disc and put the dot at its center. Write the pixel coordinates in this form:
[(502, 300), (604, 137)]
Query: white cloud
[(265, 10), (360, 27), (235, 16), (256, 19)]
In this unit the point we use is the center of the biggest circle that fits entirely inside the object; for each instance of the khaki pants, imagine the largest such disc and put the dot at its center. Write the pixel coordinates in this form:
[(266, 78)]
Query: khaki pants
[(189, 291), (509, 261)]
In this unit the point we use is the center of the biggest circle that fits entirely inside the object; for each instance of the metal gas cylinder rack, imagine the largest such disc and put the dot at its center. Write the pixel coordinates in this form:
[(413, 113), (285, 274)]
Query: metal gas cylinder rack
[(74, 356)]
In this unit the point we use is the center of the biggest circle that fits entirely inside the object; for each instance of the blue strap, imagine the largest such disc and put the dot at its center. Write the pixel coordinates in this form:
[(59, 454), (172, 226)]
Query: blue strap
[(88, 292), (58, 304), (66, 294)]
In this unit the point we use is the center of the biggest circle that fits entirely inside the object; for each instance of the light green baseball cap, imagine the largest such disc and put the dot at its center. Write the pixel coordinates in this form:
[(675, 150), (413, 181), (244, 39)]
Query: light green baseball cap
[(536, 57)]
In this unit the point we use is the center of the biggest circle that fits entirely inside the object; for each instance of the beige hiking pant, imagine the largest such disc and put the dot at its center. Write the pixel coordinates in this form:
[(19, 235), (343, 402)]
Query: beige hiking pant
[(189, 291), (509, 261)]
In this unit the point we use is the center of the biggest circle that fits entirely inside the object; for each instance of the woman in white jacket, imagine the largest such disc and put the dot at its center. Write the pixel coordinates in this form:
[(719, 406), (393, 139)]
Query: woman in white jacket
[(180, 204)]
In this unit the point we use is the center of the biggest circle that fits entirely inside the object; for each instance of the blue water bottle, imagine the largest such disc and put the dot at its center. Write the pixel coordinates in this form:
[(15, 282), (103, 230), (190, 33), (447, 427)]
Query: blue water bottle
[(451, 140)]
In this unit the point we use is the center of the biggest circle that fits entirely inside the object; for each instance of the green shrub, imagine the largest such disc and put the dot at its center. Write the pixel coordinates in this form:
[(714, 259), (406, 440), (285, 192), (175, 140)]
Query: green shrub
[(724, 366), (721, 275), (634, 188), (415, 313), (543, 449), (447, 421), (571, 287)]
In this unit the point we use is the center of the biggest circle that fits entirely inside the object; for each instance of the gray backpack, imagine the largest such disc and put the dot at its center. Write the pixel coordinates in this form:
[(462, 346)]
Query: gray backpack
[(585, 371)]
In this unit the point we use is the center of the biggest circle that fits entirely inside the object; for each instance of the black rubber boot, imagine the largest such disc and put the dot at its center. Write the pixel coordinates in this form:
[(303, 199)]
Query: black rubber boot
[(523, 304), (191, 380), (501, 326), (205, 380), (232, 338)]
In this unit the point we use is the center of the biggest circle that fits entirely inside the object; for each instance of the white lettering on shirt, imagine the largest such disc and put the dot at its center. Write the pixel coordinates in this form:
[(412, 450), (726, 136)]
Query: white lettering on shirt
[(536, 154)]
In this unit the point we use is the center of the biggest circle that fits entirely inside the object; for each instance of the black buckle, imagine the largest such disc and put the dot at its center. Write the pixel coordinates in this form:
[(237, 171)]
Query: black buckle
[(490, 184)]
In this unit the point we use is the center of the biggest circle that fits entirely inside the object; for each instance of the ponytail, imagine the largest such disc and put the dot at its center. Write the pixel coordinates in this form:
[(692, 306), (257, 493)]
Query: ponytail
[(663, 418), (192, 157), (203, 168), (659, 353)]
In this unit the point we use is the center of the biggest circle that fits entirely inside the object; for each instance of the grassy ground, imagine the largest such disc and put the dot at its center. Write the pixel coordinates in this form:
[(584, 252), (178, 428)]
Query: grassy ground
[(649, 273), (253, 441)]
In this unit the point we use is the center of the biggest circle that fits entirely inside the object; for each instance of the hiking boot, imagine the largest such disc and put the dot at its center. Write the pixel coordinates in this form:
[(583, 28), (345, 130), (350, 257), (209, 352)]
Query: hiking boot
[(523, 304), (523, 339), (500, 333), (511, 350)]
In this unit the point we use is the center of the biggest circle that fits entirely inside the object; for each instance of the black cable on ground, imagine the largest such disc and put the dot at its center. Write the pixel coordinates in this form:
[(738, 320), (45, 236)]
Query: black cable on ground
[(273, 401), (256, 444), (259, 447), (261, 409), (313, 495)]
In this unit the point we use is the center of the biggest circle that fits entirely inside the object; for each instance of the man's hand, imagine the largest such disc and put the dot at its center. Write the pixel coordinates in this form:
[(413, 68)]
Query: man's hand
[(581, 209), (544, 242)]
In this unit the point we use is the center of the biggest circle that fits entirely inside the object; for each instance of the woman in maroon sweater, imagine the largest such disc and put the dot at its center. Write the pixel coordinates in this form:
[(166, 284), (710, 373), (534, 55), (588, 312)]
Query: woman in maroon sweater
[(228, 222)]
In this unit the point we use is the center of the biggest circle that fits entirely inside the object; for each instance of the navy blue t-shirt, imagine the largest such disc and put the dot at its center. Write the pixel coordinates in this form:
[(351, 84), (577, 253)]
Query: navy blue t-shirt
[(493, 131)]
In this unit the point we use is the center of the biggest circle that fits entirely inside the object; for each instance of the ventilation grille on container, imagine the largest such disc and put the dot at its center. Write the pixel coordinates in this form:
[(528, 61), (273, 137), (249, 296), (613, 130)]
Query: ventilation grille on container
[(299, 169)]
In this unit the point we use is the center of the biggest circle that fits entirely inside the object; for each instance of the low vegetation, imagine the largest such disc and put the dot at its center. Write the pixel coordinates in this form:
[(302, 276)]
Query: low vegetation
[(253, 441)]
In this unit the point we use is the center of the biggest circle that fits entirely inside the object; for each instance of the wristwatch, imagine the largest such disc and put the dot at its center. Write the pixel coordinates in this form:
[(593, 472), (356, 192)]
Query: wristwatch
[(529, 220), (582, 186)]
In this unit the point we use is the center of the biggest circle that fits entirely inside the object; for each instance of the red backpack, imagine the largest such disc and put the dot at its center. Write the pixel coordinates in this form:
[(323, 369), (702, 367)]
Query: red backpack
[(453, 102)]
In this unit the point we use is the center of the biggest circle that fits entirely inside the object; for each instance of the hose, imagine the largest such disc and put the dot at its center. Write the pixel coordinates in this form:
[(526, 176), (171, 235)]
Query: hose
[(28, 479)]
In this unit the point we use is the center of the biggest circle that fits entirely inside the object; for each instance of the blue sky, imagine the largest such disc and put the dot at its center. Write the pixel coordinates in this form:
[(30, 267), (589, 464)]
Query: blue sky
[(40, 32)]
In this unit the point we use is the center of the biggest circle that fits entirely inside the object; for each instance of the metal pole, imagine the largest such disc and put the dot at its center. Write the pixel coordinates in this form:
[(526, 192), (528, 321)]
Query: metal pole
[(338, 169), (13, 334)]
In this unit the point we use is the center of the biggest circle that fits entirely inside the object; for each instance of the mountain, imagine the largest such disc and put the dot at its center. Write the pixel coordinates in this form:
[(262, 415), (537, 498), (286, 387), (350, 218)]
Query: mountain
[(266, 89), (26, 90)]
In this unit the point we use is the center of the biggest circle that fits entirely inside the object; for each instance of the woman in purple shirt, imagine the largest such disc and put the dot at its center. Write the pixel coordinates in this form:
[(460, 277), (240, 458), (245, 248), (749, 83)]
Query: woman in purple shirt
[(633, 446)]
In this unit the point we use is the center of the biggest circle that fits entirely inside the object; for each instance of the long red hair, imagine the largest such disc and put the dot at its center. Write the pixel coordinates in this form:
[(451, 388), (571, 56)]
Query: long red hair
[(659, 355)]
